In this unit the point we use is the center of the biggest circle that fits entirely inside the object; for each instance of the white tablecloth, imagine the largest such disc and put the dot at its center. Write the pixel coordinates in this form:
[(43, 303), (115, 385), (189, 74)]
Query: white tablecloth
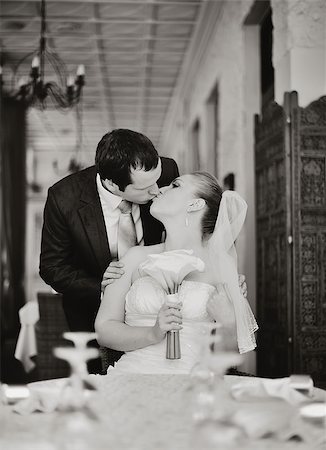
[(137, 412)]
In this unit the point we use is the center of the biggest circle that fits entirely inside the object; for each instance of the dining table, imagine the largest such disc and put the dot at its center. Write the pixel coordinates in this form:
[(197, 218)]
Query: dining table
[(151, 411)]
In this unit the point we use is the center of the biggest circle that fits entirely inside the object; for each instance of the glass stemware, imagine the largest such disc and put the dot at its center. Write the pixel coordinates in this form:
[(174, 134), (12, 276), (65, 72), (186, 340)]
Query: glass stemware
[(212, 404), (219, 356), (74, 393), (76, 421), (80, 340)]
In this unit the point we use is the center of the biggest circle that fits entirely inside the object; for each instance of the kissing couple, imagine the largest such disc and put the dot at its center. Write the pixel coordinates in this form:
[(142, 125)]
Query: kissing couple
[(103, 211)]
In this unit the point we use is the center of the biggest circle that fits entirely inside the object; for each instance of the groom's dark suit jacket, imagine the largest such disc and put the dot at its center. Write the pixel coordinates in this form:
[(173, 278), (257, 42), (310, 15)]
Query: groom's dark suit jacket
[(75, 250)]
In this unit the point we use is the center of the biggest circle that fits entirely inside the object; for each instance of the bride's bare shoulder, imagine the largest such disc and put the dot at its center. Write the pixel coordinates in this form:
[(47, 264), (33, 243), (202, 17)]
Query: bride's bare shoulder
[(137, 254)]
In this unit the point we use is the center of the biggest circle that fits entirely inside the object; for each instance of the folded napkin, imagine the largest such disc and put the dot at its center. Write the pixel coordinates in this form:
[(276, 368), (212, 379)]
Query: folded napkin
[(262, 419), (26, 344), (272, 407), (277, 419), (256, 388), (58, 394), (45, 400)]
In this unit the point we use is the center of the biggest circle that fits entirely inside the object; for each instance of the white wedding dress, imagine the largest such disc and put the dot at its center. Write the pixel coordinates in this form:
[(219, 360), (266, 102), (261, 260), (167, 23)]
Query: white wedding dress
[(143, 302)]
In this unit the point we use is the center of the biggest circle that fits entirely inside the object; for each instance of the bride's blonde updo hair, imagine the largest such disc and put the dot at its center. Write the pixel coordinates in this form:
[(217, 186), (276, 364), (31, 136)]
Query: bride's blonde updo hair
[(207, 188)]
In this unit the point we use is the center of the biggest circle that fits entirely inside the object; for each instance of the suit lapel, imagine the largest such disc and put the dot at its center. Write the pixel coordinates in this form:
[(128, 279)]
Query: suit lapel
[(91, 215)]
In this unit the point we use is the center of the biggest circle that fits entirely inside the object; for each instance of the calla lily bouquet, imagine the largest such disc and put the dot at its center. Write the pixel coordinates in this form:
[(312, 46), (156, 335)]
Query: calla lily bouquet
[(169, 269)]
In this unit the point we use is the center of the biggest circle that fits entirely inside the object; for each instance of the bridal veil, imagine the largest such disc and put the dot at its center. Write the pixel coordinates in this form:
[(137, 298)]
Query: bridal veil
[(222, 251)]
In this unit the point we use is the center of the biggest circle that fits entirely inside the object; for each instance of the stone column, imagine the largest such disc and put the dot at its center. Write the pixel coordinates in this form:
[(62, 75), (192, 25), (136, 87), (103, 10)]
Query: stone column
[(299, 50)]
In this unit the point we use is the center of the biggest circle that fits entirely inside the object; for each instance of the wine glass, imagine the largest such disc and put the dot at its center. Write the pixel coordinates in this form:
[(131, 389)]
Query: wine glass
[(202, 376), (80, 340), (219, 355), (213, 406), (74, 394), (76, 423)]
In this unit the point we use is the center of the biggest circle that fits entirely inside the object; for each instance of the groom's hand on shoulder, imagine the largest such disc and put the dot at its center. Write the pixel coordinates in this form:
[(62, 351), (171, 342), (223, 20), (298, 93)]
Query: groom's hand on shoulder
[(113, 271), (243, 285)]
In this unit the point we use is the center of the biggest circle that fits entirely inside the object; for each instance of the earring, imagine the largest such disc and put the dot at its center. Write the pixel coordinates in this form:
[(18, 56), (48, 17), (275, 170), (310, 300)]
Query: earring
[(187, 221)]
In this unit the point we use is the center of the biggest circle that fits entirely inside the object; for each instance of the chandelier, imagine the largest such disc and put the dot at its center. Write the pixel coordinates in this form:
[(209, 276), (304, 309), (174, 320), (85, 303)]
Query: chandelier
[(34, 89)]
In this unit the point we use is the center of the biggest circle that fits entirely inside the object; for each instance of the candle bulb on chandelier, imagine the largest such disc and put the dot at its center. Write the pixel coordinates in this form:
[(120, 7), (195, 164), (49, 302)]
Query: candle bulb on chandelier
[(80, 70), (35, 68), (80, 77), (70, 88), (35, 62), (70, 81)]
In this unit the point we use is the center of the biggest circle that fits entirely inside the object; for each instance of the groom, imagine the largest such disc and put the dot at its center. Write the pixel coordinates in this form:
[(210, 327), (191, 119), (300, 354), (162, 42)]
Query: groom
[(85, 220)]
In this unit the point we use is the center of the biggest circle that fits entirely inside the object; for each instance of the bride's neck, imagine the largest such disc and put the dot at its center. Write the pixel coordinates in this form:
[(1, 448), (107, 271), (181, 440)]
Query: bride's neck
[(186, 238)]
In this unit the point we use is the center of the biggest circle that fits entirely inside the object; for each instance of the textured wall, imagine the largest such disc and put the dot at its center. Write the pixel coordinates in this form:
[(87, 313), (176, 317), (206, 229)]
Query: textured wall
[(298, 23)]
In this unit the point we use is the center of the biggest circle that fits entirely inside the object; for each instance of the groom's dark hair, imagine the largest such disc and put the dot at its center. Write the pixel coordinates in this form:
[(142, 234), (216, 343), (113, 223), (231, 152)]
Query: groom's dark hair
[(120, 150)]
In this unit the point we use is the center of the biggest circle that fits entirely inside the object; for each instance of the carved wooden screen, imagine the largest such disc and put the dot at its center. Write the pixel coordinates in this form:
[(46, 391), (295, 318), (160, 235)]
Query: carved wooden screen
[(290, 164), (309, 232), (273, 253)]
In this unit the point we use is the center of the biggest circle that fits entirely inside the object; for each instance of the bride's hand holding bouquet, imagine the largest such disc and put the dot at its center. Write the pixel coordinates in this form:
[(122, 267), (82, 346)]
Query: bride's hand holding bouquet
[(169, 318)]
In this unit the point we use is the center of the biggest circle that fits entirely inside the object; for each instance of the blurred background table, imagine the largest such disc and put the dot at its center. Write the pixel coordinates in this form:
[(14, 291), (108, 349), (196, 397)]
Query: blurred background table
[(136, 412)]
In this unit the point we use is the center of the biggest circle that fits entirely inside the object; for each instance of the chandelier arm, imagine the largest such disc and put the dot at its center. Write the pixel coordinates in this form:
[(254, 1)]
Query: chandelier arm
[(66, 101), (58, 66), (63, 100), (56, 94)]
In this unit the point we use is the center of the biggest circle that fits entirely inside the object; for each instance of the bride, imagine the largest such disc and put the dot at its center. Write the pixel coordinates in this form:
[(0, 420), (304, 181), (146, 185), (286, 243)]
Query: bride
[(134, 315)]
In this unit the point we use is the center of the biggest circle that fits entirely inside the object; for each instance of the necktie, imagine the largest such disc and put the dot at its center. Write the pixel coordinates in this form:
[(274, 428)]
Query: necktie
[(127, 237)]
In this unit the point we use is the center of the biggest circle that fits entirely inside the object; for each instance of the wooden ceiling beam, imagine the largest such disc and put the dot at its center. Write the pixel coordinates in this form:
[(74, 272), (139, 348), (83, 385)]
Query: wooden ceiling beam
[(92, 20), (80, 35), (118, 2)]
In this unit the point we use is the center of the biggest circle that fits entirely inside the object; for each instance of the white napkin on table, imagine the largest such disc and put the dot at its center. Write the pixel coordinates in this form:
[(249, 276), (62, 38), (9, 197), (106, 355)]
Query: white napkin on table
[(26, 344), (57, 394), (271, 407), (278, 419), (44, 396), (267, 388), (46, 401)]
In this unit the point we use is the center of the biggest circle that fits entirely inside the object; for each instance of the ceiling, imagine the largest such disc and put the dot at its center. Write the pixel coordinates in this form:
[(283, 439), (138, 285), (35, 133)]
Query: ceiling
[(133, 52)]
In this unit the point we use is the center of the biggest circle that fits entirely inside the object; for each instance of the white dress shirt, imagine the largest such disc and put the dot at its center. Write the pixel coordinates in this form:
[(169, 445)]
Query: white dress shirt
[(111, 213)]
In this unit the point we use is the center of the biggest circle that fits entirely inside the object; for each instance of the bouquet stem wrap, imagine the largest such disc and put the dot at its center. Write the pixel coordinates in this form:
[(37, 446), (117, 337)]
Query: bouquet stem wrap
[(173, 337)]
